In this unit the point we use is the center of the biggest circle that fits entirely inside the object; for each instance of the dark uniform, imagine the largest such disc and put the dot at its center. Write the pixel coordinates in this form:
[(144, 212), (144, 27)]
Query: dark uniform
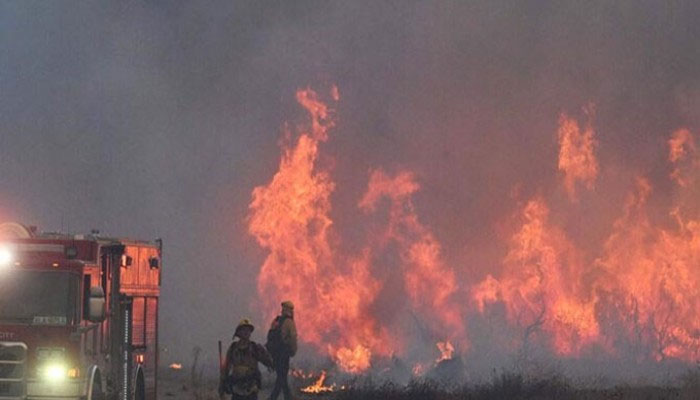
[(282, 344), (240, 375)]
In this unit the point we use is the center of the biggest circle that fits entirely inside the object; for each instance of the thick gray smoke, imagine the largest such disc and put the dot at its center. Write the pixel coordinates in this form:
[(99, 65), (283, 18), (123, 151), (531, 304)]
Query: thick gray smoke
[(157, 119)]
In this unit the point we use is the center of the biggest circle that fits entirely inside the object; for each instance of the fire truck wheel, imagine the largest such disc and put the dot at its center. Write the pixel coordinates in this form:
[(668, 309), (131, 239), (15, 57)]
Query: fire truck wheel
[(140, 388), (97, 393)]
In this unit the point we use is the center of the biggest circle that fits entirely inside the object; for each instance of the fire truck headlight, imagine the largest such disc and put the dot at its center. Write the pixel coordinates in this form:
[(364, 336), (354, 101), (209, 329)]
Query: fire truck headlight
[(55, 373), (6, 257), (58, 372)]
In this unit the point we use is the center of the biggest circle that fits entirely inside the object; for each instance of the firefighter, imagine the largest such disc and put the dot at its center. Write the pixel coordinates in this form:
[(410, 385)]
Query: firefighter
[(240, 375), (282, 345)]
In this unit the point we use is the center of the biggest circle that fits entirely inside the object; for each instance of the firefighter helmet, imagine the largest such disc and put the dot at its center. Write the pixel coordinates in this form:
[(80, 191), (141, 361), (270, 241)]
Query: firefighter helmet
[(245, 322), (288, 304)]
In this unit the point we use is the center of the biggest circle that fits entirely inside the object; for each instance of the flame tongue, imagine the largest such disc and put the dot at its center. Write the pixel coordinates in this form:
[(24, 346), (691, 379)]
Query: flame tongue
[(290, 218), (576, 154), (319, 387), (682, 153)]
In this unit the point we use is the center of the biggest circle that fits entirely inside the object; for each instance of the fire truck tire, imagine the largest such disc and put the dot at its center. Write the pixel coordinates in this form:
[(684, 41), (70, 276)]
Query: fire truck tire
[(95, 391), (140, 386)]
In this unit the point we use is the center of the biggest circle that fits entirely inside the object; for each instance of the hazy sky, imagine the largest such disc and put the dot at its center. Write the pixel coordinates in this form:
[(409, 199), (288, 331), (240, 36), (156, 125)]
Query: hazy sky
[(157, 119)]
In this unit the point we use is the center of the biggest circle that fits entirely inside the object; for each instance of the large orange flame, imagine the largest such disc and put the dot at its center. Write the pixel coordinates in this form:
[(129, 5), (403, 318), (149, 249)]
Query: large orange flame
[(290, 218), (639, 292)]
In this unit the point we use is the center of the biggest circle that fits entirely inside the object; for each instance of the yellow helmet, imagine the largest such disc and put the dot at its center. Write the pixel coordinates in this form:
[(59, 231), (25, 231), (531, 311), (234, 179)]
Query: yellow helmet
[(245, 322)]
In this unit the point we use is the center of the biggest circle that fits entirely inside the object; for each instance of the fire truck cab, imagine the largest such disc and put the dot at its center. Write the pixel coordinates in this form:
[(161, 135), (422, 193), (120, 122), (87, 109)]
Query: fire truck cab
[(78, 316)]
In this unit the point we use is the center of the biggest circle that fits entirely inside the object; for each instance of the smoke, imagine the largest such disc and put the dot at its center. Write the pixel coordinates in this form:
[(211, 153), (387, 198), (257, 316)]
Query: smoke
[(156, 119)]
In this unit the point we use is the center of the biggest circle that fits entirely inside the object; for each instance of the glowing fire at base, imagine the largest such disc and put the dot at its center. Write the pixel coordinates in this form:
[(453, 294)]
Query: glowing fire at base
[(319, 387), (175, 366), (446, 351), (354, 360)]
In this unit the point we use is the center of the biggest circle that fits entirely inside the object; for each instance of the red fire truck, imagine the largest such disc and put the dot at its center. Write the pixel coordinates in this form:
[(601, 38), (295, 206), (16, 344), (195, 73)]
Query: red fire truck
[(78, 316)]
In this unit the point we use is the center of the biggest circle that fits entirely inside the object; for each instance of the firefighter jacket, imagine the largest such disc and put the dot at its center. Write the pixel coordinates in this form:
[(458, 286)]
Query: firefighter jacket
[(289, 336), (240, 373)]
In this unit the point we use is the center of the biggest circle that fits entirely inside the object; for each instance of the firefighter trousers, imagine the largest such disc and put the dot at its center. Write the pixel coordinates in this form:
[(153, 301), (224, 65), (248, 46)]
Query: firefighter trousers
[(281, 383)]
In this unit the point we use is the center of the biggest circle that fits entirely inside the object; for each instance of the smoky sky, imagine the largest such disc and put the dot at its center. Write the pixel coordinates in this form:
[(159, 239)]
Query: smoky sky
[(157, 119)]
